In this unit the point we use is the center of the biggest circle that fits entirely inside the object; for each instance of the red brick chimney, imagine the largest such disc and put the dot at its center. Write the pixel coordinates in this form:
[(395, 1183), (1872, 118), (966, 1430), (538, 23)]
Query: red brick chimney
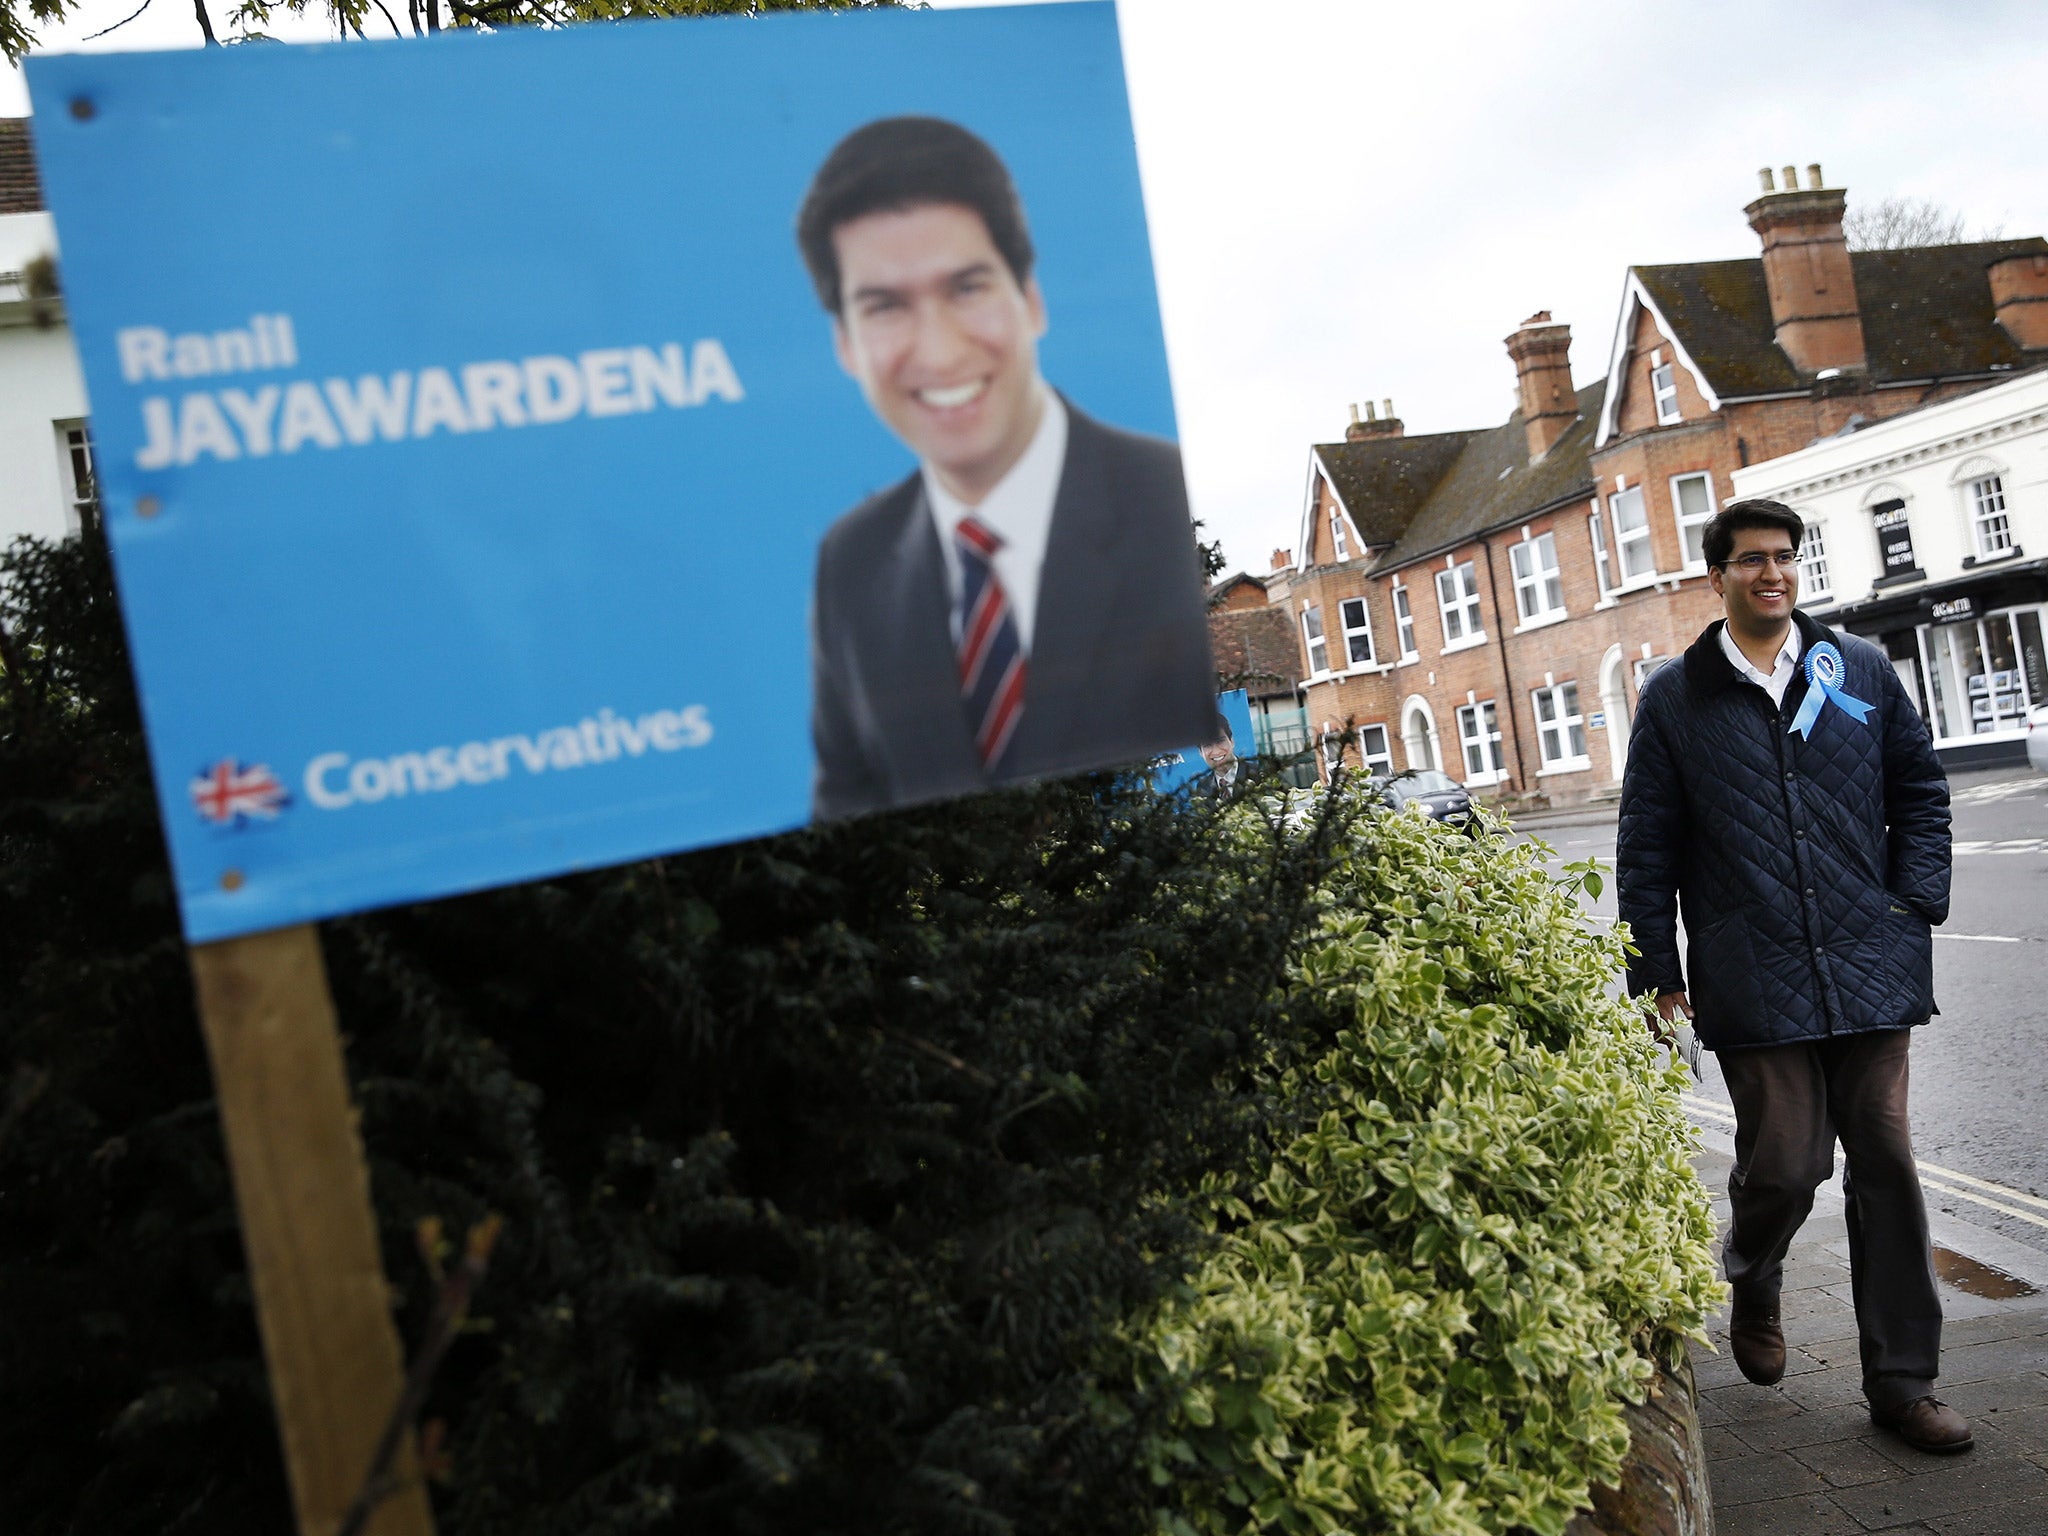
[(1374, 425), (2019, 296), (1282, 558), (1543, 372), (1806, 268)]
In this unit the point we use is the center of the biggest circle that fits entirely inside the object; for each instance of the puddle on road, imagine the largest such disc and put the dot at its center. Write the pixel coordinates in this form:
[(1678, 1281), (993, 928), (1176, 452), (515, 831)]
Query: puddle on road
[(1975, 1279)]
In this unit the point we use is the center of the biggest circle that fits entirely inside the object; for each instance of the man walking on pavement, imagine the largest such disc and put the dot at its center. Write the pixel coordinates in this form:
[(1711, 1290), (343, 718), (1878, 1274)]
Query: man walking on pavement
[(1782, 788)]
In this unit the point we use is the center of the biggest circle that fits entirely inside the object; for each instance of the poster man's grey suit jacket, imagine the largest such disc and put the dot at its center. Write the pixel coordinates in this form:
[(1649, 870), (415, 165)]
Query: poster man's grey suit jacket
[(1119, 668)]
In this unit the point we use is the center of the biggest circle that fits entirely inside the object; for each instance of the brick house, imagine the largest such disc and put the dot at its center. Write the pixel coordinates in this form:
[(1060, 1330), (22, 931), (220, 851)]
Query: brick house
[(1255, 650), (1489, 602)]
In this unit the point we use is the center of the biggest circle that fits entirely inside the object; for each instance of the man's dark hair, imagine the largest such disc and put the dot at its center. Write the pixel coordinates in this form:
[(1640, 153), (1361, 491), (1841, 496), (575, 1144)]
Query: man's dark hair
[(899, 163), (1717, 539)]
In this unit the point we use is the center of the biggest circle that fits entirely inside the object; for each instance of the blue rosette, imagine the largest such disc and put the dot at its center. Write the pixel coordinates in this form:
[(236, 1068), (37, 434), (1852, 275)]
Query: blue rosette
[(1825, 672)]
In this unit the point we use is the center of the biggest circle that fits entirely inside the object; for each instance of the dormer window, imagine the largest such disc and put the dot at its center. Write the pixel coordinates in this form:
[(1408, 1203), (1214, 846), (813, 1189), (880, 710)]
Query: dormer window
[(1663, 388)]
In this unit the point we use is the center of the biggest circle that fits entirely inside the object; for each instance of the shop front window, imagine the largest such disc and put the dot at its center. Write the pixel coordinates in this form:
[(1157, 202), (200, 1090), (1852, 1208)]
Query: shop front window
[(2033, 660), (1984, 674)]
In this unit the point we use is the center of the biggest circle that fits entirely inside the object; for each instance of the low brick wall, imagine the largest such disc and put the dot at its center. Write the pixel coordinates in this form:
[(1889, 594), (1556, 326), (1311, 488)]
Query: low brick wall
[(1664, 1490)]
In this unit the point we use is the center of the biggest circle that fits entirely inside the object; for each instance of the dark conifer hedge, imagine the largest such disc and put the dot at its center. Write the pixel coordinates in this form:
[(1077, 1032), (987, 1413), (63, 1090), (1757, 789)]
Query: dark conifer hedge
[(830, 1164)]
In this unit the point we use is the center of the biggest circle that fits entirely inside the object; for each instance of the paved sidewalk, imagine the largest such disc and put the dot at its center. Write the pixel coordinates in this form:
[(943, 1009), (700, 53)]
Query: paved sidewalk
[(1803, 1458)]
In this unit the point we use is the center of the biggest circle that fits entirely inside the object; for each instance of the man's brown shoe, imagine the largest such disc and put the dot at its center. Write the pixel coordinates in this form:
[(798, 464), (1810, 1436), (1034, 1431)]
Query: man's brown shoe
[(1926, 1424), (1756, 1340)]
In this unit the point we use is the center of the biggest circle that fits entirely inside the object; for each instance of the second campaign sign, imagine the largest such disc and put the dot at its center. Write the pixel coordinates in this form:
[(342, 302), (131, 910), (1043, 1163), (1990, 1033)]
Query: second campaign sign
[(529, 452)]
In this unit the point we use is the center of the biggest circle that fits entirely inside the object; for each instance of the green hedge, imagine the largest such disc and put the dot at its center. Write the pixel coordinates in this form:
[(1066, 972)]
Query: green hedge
[(1425, 1318), (831, 1164)]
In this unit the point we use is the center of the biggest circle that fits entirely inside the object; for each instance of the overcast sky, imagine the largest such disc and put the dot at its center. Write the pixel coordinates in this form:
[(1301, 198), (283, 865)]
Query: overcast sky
[(1355, 200)]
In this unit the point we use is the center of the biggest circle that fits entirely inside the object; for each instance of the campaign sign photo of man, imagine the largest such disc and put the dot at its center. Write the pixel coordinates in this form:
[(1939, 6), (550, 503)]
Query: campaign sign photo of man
[(1028, 600)]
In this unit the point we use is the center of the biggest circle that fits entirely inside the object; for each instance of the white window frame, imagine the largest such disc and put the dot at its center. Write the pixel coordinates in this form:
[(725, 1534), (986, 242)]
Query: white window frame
[(1990, 515), (1352, 632), (1461, 606), (1664, 389), (1404, 623), (1626, 540), (1603, 568), (1340, 546), (1475, 739), (1314, 638), (1382, 760), (1687, 525), (1539, 583), (1554, 737), (74, 442), (1815, 580)]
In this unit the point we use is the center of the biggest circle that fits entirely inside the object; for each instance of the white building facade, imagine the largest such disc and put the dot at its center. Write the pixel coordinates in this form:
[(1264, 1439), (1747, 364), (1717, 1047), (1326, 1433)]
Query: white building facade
[(1927, 534), (45, 446), (45, 449)]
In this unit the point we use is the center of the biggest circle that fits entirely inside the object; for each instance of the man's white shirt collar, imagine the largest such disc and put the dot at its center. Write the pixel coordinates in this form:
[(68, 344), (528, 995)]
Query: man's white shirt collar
[(1779, 678), (1018, 511)]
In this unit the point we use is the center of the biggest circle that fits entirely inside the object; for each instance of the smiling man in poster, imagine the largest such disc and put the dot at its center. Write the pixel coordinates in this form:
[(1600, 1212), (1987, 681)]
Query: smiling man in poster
[(1028, 601)]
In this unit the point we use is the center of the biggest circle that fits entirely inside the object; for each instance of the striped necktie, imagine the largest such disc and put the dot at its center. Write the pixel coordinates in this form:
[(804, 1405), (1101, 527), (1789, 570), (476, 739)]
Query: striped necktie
[(991, 653)]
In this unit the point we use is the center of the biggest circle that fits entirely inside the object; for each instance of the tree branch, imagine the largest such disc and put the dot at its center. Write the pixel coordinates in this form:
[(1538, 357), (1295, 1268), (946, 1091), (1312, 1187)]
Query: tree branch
[(937, 1053), (205, 23), (457, 1287), (117, 26), (481, 13)]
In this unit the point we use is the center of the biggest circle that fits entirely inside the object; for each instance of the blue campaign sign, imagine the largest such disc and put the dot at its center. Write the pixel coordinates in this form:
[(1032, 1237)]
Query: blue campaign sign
[(529, 452), (1190, 765)]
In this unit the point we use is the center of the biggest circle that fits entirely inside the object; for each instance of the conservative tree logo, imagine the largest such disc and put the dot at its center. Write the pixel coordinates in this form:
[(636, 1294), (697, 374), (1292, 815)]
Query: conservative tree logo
[(229, 795)]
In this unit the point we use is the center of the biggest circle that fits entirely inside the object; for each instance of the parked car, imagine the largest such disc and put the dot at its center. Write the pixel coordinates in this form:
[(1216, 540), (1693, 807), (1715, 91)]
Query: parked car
[(1433, 793), (2037, 737)]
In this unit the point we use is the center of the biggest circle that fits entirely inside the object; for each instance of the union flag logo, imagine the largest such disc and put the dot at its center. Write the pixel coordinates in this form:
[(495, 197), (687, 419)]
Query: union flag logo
[(227, 794)]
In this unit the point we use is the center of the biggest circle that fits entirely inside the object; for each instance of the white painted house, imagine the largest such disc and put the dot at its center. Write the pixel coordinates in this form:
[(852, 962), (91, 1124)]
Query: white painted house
[(45, 448), (1928, 535)]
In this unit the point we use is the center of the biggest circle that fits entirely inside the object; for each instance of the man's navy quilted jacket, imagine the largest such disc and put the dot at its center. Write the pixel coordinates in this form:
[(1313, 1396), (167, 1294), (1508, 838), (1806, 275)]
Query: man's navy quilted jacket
[(1808, 869)]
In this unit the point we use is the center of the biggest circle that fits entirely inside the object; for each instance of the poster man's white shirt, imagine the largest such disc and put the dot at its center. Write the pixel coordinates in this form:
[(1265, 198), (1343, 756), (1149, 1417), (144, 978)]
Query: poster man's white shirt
[(1018, 511)]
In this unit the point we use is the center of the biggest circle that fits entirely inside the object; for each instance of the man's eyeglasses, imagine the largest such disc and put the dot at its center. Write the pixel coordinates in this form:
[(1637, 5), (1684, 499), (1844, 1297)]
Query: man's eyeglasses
[(1750, 564)]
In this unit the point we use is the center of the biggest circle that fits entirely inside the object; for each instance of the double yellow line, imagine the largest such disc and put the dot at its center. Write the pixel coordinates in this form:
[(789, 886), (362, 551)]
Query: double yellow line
[(1963, 1186)]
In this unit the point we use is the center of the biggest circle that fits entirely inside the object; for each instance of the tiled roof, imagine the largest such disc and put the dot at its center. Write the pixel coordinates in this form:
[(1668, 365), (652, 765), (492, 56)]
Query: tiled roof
[(1383, 481), (1926, 311), (1486, 481), (21, 190), (1255, 649)]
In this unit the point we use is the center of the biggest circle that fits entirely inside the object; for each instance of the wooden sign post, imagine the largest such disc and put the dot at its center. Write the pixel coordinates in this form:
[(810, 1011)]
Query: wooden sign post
[(303, 1191)]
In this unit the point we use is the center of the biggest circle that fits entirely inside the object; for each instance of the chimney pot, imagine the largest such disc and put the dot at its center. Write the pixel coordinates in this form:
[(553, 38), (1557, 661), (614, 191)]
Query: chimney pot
[(1354, 414), (1813, 177), (1790, 177), (1379, 422), (1764, 176)]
